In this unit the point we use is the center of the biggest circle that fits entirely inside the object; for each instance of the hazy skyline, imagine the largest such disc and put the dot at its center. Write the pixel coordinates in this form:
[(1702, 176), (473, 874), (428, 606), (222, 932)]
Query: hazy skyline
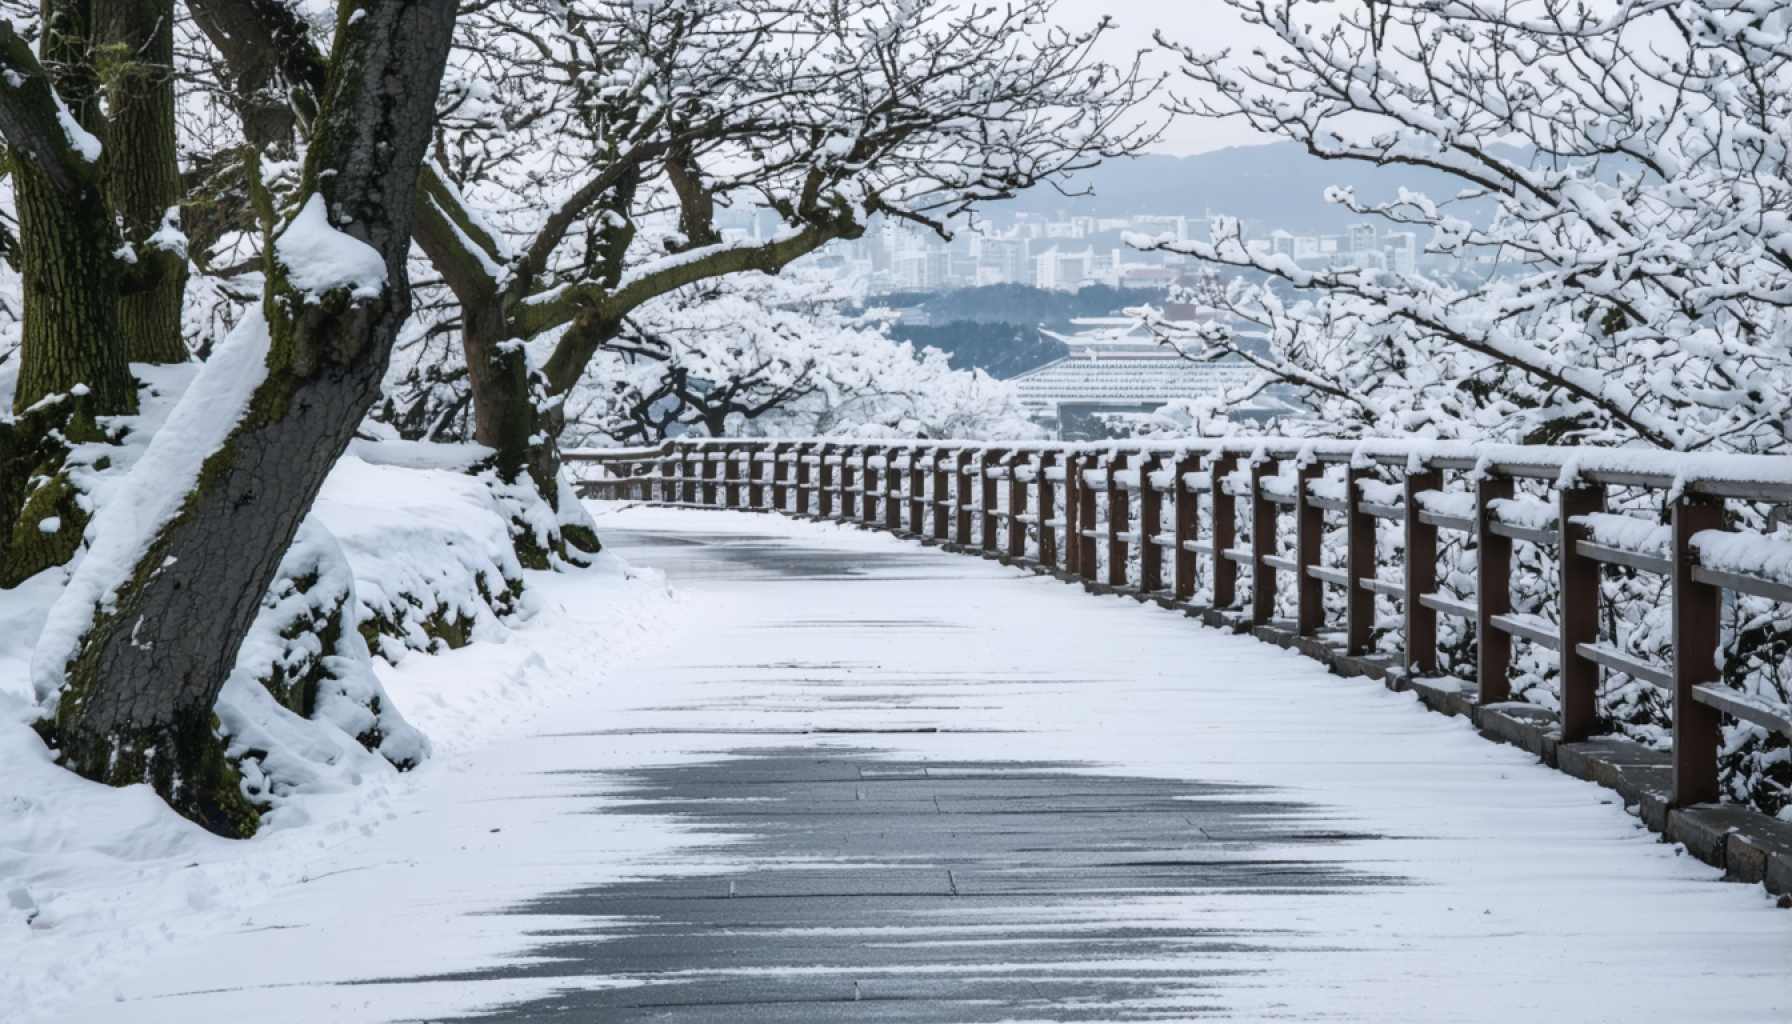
[(1205, 24)]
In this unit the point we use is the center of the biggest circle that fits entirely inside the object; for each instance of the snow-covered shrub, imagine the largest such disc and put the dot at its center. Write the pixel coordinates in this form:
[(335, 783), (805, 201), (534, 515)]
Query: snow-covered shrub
[(434, 562)]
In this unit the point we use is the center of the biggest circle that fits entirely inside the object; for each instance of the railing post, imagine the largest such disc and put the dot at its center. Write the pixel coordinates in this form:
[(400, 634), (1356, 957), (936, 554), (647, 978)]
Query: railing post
[(1119, 519), (1697, 617), (1359, 561), (755, 476), (1087, 517), (1263, 544), (1577, 613), (803, 478), (1151, 505), (1224, 511), (1420, 576), (781, 477), (992, 459), (710, 468), (850, 463), (942, 460), (1309, 534), (825, 482), (961, 500), (893, 489), (668, 463), (1073, 514), (917, 489), (1045, 506), (1017, 506), (731, 467), (1493, 594), (870, 478), (1187, 528)]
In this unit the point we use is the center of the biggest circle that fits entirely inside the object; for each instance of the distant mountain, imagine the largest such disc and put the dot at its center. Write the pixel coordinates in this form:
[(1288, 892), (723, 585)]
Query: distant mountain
[(1278, 185)]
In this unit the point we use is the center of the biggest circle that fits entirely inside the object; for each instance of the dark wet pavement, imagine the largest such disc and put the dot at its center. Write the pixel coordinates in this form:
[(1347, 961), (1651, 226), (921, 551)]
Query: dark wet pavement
[(861, 886)]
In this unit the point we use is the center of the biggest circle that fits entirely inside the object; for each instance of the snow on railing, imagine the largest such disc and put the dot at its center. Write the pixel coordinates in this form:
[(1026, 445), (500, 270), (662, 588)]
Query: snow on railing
[(1146, 517)]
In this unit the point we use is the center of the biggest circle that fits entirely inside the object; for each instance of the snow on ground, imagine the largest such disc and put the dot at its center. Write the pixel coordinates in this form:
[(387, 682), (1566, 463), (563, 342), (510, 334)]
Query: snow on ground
[(1531, 895), (94, 880)]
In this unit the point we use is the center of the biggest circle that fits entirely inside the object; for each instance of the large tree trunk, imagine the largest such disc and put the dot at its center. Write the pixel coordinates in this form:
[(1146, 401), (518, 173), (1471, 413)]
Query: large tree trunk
[(142, 174), (71, 289), (70, 345), (67, 240), (136, 696)]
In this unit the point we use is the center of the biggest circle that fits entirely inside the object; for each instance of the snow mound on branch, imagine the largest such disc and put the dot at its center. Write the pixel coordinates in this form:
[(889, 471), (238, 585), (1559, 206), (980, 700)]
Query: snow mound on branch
[(320, 259)]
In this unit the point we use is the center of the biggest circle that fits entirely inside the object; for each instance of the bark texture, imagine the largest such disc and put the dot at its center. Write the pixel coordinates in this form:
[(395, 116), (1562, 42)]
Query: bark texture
[(66, 237), (70, 336), (137, 699), (141, 171), (71, 364)]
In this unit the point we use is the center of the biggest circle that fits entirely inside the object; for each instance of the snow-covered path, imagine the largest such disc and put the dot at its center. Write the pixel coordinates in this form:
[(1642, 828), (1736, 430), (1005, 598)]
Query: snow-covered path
[(872, 781)]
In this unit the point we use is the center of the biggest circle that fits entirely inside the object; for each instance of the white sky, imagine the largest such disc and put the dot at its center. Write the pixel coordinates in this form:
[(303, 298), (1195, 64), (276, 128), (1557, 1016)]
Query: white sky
[(1204, 24)]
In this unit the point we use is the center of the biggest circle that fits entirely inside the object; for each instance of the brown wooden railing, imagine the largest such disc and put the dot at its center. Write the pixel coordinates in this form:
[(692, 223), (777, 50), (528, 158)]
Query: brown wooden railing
[(1148, 518)]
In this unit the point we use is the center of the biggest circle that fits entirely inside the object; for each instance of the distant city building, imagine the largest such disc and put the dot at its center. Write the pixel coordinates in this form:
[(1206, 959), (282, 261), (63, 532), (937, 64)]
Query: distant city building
[(1117, 372), (1070, 253), (1060, 270)]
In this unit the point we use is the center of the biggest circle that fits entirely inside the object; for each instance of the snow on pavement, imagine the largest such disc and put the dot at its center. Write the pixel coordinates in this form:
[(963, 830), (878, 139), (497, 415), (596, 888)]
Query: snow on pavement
[(1526, 892)]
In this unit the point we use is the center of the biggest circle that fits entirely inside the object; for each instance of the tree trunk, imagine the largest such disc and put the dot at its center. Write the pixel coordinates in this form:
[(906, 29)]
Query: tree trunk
[(511, 418), (136, 698), (71, 288), (70, 345), (715, 420), (141, 174), (66, 244), (505, 417)]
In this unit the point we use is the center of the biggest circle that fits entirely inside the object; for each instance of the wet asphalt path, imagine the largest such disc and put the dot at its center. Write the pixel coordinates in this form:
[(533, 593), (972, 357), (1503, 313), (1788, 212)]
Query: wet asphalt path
[(863, 884)]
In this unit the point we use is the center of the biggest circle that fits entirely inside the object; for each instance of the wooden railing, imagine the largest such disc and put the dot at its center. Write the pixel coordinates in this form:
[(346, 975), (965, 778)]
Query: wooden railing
[(1149, 519)]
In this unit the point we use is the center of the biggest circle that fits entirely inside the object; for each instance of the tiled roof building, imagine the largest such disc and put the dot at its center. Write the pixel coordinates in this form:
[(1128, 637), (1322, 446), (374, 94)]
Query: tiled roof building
[(1117, 370)]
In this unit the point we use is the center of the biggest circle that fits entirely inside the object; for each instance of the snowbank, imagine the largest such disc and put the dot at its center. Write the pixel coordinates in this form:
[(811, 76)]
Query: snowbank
[(400, 623), (96, 880), (433, 562)]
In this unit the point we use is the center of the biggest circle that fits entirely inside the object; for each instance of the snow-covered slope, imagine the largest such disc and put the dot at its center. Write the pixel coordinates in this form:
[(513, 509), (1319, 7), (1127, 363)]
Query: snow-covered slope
[(400, 622)]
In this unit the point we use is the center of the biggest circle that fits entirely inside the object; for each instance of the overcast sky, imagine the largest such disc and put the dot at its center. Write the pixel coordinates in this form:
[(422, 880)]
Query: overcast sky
[(1204, 24)]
